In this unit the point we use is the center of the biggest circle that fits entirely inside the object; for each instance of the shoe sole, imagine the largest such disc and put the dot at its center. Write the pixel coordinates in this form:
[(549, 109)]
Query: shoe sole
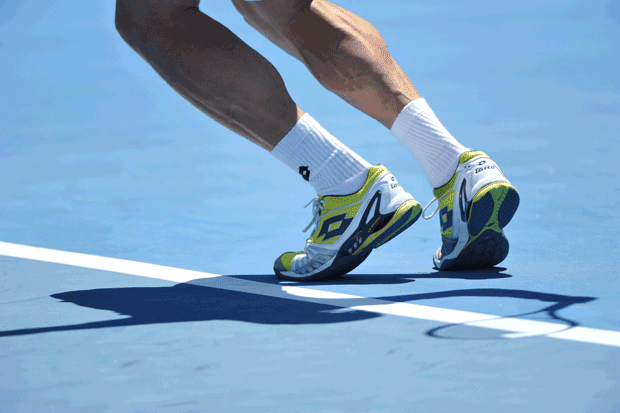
[(490, 211), (381, 231)]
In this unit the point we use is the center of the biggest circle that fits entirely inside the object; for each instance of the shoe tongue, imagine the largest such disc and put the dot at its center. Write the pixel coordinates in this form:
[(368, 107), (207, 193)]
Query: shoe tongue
[(332, 202)]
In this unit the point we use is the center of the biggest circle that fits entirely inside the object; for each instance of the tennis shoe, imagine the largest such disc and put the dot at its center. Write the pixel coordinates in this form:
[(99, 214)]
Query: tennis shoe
[(474, 207), (347, 228)]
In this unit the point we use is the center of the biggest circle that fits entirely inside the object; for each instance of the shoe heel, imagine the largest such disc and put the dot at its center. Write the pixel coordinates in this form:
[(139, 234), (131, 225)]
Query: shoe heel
[(492, 208), (405, 216)]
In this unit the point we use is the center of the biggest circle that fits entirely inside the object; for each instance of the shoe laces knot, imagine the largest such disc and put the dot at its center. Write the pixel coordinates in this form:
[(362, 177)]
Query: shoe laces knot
[(318, 206)]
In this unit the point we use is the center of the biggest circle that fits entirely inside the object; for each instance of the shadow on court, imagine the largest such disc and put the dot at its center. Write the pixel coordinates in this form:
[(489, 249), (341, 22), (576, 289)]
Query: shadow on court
[(390, 279), (244, 298), (461, 332)]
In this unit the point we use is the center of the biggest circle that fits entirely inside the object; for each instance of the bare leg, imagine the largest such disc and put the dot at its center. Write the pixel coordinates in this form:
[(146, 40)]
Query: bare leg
[(345, 53), (211, 67)]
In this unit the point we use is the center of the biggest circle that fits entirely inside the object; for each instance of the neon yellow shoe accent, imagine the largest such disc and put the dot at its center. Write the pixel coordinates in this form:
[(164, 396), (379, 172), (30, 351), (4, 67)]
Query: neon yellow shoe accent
[(287, 259), (404, 216)]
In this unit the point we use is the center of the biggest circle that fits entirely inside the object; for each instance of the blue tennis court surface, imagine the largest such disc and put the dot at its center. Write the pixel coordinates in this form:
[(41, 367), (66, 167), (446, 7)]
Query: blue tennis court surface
[(137, 237)]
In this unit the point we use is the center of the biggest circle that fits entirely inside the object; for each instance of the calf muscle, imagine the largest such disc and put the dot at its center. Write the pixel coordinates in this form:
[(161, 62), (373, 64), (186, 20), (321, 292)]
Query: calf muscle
[(213, 69)]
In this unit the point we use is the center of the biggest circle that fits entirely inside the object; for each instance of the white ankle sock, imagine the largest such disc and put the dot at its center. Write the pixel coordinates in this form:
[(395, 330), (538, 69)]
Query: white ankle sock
[(437, 151), (329, 166)]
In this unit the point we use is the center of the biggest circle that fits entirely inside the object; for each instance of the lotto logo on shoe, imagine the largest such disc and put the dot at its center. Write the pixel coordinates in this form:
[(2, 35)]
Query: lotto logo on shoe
[(482, 168), (394, 183), (334, 226)]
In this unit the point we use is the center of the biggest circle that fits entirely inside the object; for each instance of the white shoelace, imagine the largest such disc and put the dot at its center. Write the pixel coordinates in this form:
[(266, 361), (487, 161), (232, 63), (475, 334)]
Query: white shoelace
[(426, 207), (318, 205)]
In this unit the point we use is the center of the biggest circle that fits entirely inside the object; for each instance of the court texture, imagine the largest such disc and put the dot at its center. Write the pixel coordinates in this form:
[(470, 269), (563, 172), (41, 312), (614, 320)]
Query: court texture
[(137, 236)]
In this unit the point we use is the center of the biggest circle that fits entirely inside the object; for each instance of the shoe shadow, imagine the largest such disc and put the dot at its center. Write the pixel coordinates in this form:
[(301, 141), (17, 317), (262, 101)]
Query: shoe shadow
[(388, 279), (259, 299)]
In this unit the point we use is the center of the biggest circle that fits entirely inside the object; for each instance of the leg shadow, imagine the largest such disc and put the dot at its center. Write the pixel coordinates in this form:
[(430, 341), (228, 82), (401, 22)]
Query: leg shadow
[(255, 299), (191, 302)]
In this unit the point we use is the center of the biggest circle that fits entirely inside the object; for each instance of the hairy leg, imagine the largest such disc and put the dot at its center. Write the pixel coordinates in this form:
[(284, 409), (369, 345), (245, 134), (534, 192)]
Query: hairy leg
[(210, 67), (345, 53)]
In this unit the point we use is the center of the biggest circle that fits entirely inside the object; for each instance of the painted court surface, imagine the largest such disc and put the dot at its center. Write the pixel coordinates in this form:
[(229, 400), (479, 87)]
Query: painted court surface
[(137, 237)]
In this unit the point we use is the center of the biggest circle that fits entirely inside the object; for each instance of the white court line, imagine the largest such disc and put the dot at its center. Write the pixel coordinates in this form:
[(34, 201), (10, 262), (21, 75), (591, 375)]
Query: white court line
[(101, 263), (515, 327)]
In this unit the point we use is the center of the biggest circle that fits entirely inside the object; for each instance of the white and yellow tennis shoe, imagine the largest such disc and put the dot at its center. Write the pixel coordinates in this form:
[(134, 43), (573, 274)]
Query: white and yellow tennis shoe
[(347, 228), (474, 207)]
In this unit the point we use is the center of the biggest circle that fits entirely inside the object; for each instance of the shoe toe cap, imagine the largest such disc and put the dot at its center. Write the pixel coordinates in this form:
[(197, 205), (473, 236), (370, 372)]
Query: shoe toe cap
[(284, 262)]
